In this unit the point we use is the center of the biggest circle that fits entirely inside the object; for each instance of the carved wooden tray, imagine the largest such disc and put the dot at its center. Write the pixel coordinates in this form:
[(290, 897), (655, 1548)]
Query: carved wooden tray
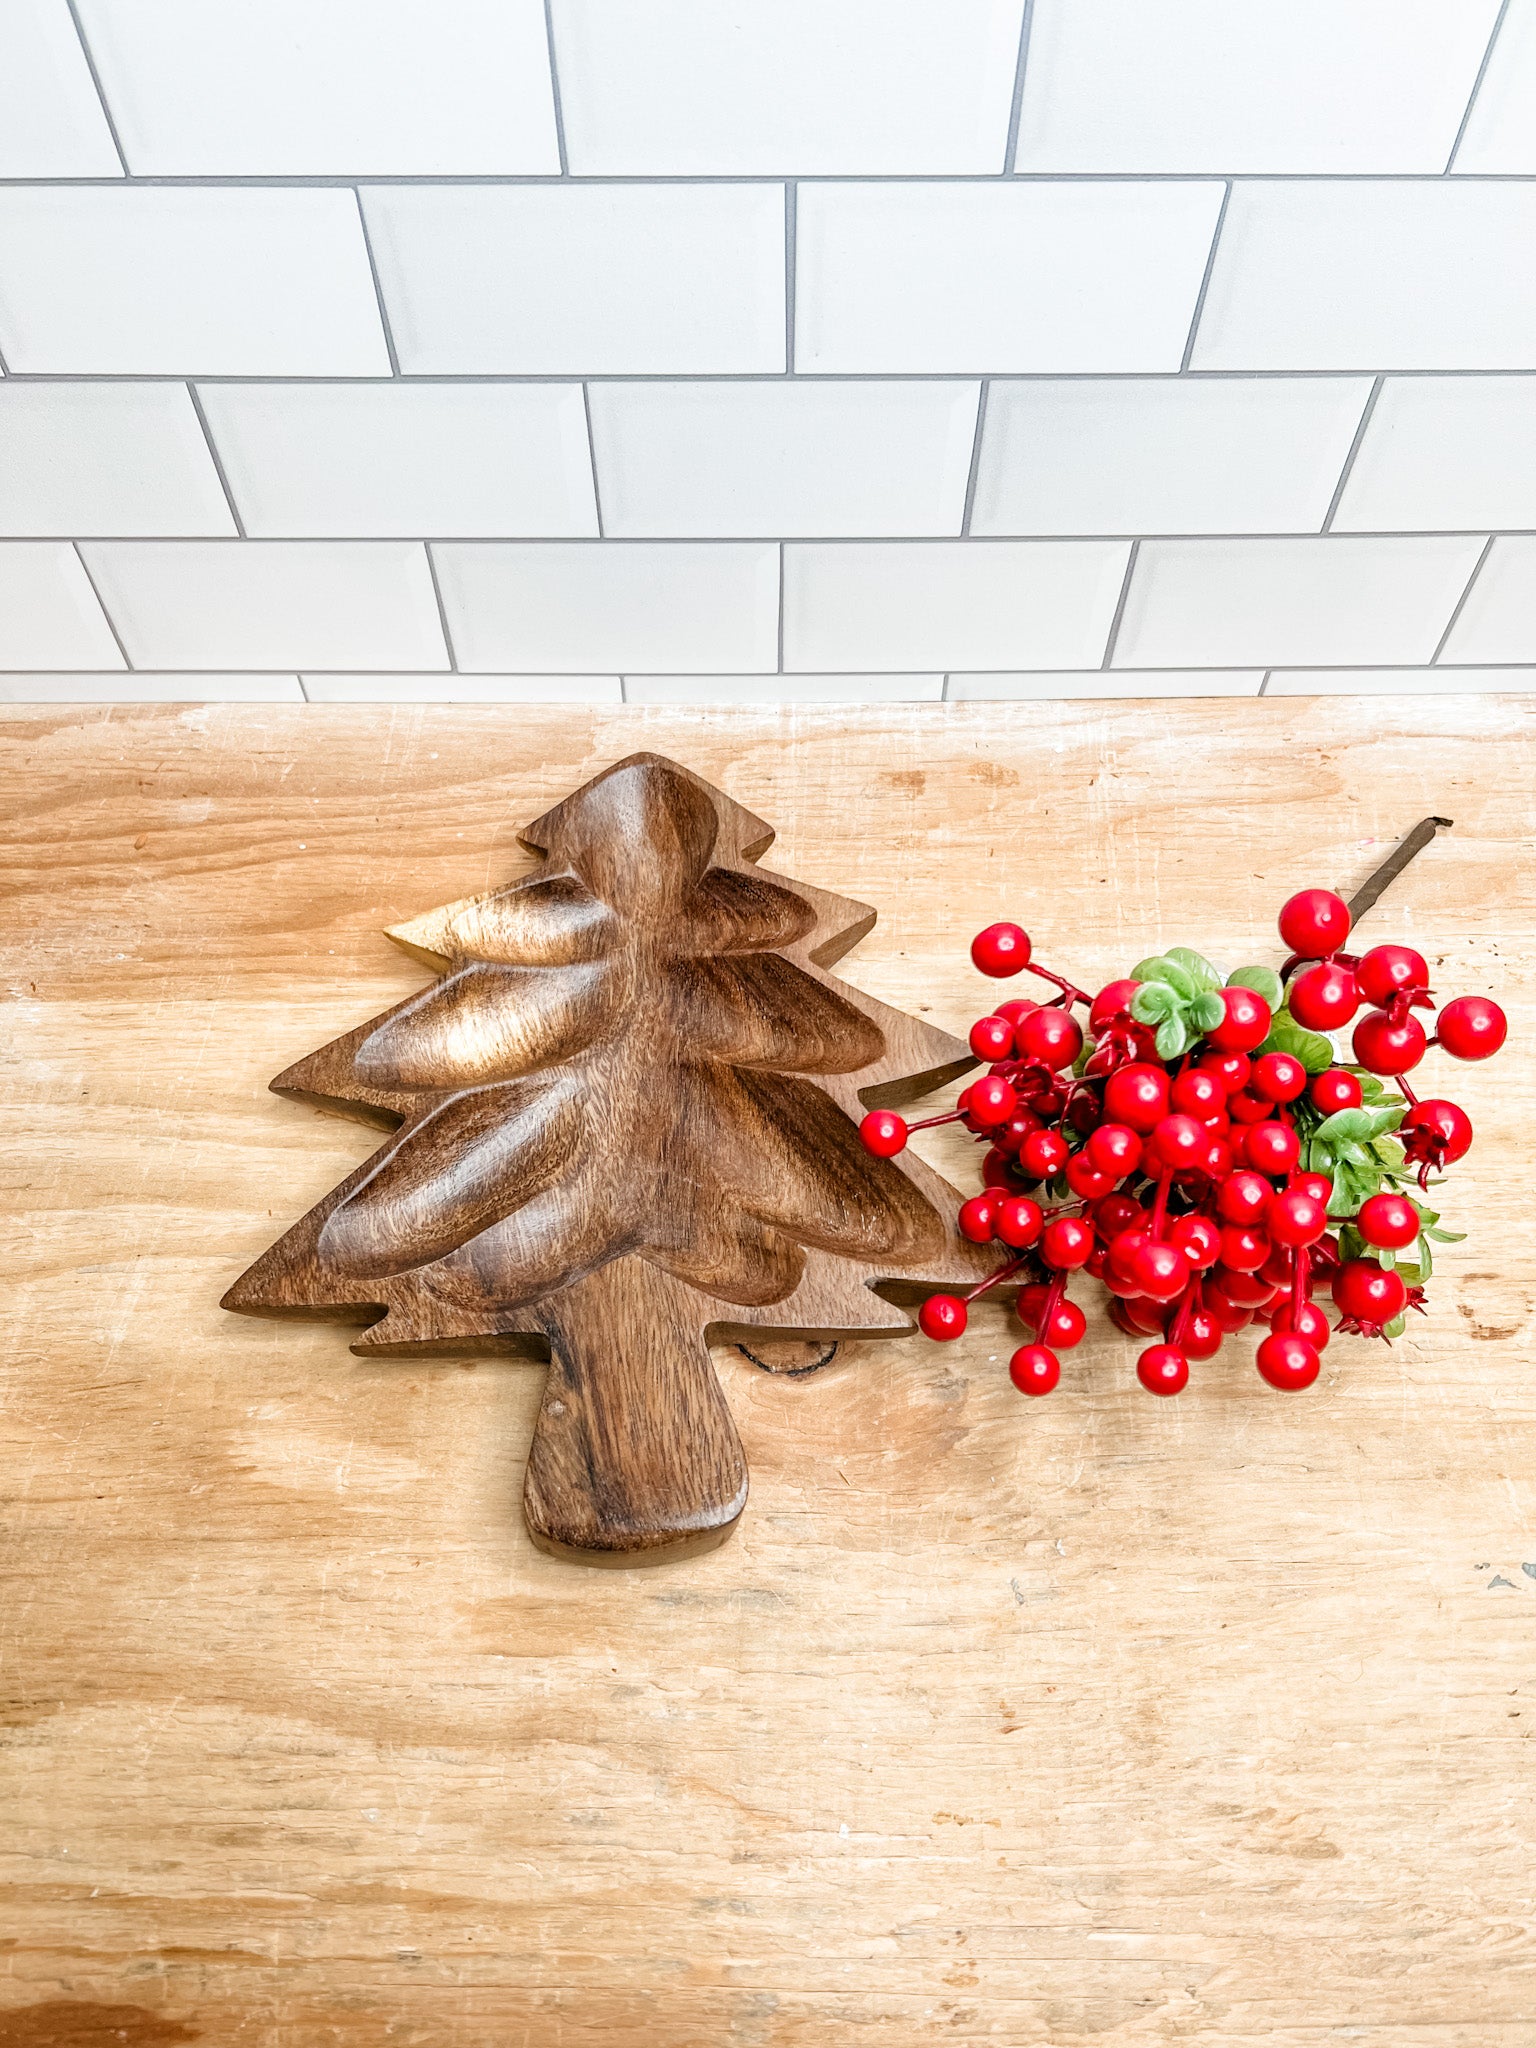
[(624, 1122)]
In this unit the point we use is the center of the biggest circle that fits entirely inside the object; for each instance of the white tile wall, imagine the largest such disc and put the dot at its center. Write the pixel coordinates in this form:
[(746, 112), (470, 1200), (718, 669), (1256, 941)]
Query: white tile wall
[(1221, 603), (777, 459), (690, 607), (1164, 454), (137, 687), (987, 277), (1395, 682), (176, 281), (1229, 85), (269, 604), (105, 459), (408, 459), (950, 604), (582, 280), (699, 350), (51, 122), (1373, 275), (310, 87), (1444, 452), (712, 88)]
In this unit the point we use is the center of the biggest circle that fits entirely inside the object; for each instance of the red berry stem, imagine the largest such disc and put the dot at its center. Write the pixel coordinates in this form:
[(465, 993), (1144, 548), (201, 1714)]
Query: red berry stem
[(1004, 1272)]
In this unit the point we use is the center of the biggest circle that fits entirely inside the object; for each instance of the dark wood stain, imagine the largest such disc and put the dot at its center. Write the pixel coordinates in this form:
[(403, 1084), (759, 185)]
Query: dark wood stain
[(75, 2023)]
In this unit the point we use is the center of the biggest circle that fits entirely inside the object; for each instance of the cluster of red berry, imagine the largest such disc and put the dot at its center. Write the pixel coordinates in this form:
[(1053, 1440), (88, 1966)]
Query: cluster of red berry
[(1203, 1152)]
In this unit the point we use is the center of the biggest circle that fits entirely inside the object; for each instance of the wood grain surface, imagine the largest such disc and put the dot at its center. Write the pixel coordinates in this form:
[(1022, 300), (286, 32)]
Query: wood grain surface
[(1090, 1722)]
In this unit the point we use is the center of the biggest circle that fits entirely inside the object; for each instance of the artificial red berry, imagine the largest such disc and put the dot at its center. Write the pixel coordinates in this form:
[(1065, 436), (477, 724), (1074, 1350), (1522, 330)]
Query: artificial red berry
[(1243, 1249), (1272, 1148), (1388, 1221), (1137, 1095), (1019, 1221), (997, 1171), (1050, 1035), (1015, 1008), (1198, 1239), (1288, 1361), (1436, 1132), (1116, 1149), (1232, 1069), (1295, 1217), (1219, 1159), (992, 1038), (1308, 1321), (989, 1101), (1010, 1136), (1069, 1325), (1179, 1142), (1043, 1154), (1368, 1293), (1086, 1179), (1160, 1270), (1002, 949), (1388, 971), (942, 1317), (1200, 1335), (1034, 1369), (1314, 923), (1335, 1090), (1123, 1248), (1324, 998), (1383, 1047), (1246, 1108), (978, 1219), (884, 1133), (1116, 1213), (1163, 1369), (1111, 1005), (1471, 1028), (1143, 1318), (1246, 1023), (1317, 1185), (1277, 1077), (1247, 1290), (1228, 1315), (1066, 1243), (1243, 1197), (1197, 1093)]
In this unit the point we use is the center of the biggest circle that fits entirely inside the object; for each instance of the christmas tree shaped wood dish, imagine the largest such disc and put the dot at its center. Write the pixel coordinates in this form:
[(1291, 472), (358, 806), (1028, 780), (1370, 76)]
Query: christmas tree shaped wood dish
[(624, 1121)]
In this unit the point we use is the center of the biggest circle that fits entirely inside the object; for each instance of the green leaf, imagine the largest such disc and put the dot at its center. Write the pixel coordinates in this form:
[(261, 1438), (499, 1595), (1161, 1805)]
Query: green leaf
[(1447, 1236), (1178, 979), (1385, 1256), (1152, 1002), (1310, 1047), (1172, 1039), (1396, 1327), (1196, 966), (1416, 1277), (1345, 1124), (1383, 1120), (1262, 980), (1207, 1011)]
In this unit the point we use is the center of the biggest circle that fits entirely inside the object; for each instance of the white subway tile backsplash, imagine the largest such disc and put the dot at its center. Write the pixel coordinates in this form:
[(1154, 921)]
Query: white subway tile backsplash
[(290, 87), (1236, 603), (49, 617), (51, 123), (1267, 85), (1373, 275), (1115, 682), (460, 689), (700, 607), (833, 689), (1396, 682), (950, 604), (760, 87), (578, 280), (133, 686), (1137, 455), (997, 277), (404, 459), (270, 604), (170, 280), (105, 459), (1498, 620), (740, 460), (1445, 452), (1501, 130)]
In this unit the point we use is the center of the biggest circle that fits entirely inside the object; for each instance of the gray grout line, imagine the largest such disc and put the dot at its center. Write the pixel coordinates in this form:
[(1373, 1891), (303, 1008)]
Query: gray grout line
[(303, 689), (4, 371), (1450, 624), (1215, 175), (1477, 86), (554, 90), (1205, 278), (791, 256), (1264, 682), (106, 111), (597, 495), (975, 468), (780, 669), (1016, 105), (442, 614), (216, 458), (1353, 450), (738, 540), (944, 696), (818, 377), (1450, 668), (378, 289), (112, 623), (1120, 604)]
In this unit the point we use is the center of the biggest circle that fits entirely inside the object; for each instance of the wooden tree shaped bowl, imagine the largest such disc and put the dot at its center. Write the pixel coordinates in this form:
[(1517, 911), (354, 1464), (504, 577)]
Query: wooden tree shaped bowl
[(624, 1122)]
